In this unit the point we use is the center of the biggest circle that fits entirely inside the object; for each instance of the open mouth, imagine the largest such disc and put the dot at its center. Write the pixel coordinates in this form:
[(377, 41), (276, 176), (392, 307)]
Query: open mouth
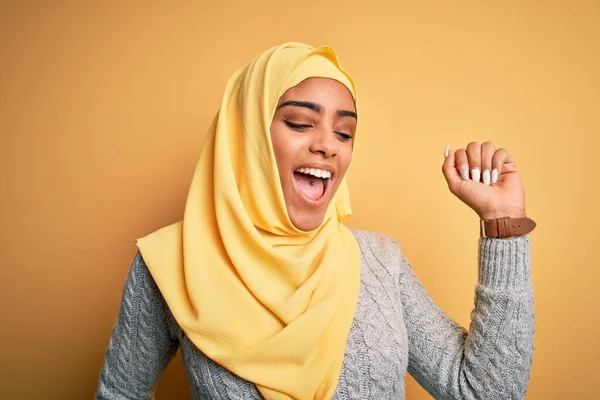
[(312, 183)]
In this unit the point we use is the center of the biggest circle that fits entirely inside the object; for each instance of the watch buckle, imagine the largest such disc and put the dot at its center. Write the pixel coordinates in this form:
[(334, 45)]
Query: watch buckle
[(483, 235)]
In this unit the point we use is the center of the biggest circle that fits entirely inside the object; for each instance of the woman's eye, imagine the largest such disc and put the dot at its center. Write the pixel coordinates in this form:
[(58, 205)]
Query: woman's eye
[(344, 136), (297, 126)]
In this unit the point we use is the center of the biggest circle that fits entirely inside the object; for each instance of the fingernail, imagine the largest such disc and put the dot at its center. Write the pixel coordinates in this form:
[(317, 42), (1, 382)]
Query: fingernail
[(494, 175), (464, 171), (486, 177), (475, 174), (447, 150)]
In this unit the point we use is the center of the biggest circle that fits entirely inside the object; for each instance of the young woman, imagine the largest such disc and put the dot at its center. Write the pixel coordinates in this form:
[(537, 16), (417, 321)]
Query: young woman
[(269, 295)]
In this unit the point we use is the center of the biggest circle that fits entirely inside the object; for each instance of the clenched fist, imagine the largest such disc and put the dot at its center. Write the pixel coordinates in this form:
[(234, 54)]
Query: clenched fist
[(486, 179)]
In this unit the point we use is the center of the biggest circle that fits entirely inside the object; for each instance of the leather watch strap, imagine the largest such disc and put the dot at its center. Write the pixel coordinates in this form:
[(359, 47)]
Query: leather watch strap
[(506, 227)]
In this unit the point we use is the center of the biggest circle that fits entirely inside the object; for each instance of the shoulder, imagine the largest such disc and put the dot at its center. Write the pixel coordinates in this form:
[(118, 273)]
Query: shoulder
[(139, 270), (139, 279), (377, 243), (377, 249)]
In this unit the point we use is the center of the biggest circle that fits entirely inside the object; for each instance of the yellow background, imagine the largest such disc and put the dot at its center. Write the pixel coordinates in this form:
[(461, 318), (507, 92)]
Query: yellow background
[(103, 110)]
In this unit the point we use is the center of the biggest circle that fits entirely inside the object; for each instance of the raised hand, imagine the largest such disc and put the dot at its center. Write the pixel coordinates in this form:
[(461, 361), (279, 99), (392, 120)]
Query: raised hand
[(486, 179)]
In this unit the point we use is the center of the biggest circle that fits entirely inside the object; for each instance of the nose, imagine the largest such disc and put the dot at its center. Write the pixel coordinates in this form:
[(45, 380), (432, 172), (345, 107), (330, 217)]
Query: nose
[(324, 143)]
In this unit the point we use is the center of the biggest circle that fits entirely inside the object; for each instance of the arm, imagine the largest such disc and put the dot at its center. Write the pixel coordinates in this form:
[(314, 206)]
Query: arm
[(492, 360), (141, 344)]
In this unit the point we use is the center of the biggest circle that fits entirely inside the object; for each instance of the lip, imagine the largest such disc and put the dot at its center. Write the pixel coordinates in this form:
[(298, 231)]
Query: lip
[(324, 199), (317, 166)]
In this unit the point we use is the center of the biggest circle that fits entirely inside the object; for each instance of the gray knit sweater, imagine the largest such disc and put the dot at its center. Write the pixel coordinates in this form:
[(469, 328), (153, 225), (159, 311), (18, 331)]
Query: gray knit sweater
[(397, 326)]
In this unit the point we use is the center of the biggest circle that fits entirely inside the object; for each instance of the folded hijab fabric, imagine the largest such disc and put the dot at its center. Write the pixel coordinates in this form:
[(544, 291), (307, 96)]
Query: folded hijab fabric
[(267, 301)]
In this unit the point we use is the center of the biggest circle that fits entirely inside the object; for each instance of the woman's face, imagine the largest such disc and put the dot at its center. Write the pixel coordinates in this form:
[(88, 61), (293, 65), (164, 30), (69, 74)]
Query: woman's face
[(312, 133)]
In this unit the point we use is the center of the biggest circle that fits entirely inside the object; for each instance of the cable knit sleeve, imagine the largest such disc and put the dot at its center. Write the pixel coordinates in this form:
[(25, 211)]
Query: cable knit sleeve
[(142, 343), (493, 359)]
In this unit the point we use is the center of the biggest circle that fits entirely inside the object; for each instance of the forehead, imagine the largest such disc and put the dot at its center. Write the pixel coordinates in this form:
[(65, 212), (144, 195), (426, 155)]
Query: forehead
[(324, 91)]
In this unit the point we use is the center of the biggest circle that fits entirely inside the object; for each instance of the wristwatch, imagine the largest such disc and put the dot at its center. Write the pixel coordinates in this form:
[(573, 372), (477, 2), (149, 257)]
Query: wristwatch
[(506, 227)]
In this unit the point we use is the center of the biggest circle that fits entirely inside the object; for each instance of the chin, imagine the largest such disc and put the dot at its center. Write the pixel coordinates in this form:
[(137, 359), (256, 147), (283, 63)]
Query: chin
[(306, 223)]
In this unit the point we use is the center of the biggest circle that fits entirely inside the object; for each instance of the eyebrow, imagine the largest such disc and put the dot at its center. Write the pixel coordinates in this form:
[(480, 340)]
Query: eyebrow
[(316, 107)]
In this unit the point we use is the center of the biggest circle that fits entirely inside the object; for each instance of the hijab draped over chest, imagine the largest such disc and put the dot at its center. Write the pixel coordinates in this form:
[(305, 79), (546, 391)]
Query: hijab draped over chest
[(265, 300)]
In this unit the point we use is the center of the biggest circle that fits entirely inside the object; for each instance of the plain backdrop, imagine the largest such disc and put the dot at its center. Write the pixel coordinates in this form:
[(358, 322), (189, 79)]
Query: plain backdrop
[(104, 107)]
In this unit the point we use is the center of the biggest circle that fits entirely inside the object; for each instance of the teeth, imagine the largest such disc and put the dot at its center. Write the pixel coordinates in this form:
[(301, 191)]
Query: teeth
[(319, 173)]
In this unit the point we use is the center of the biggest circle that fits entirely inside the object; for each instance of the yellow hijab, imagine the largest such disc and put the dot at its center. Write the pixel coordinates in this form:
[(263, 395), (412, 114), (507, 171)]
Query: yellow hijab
[(267, 301)]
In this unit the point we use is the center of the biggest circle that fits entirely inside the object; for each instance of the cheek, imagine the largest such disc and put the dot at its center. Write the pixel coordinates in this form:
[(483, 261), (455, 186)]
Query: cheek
[(279, 147), (345, 158), (287, 146)]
